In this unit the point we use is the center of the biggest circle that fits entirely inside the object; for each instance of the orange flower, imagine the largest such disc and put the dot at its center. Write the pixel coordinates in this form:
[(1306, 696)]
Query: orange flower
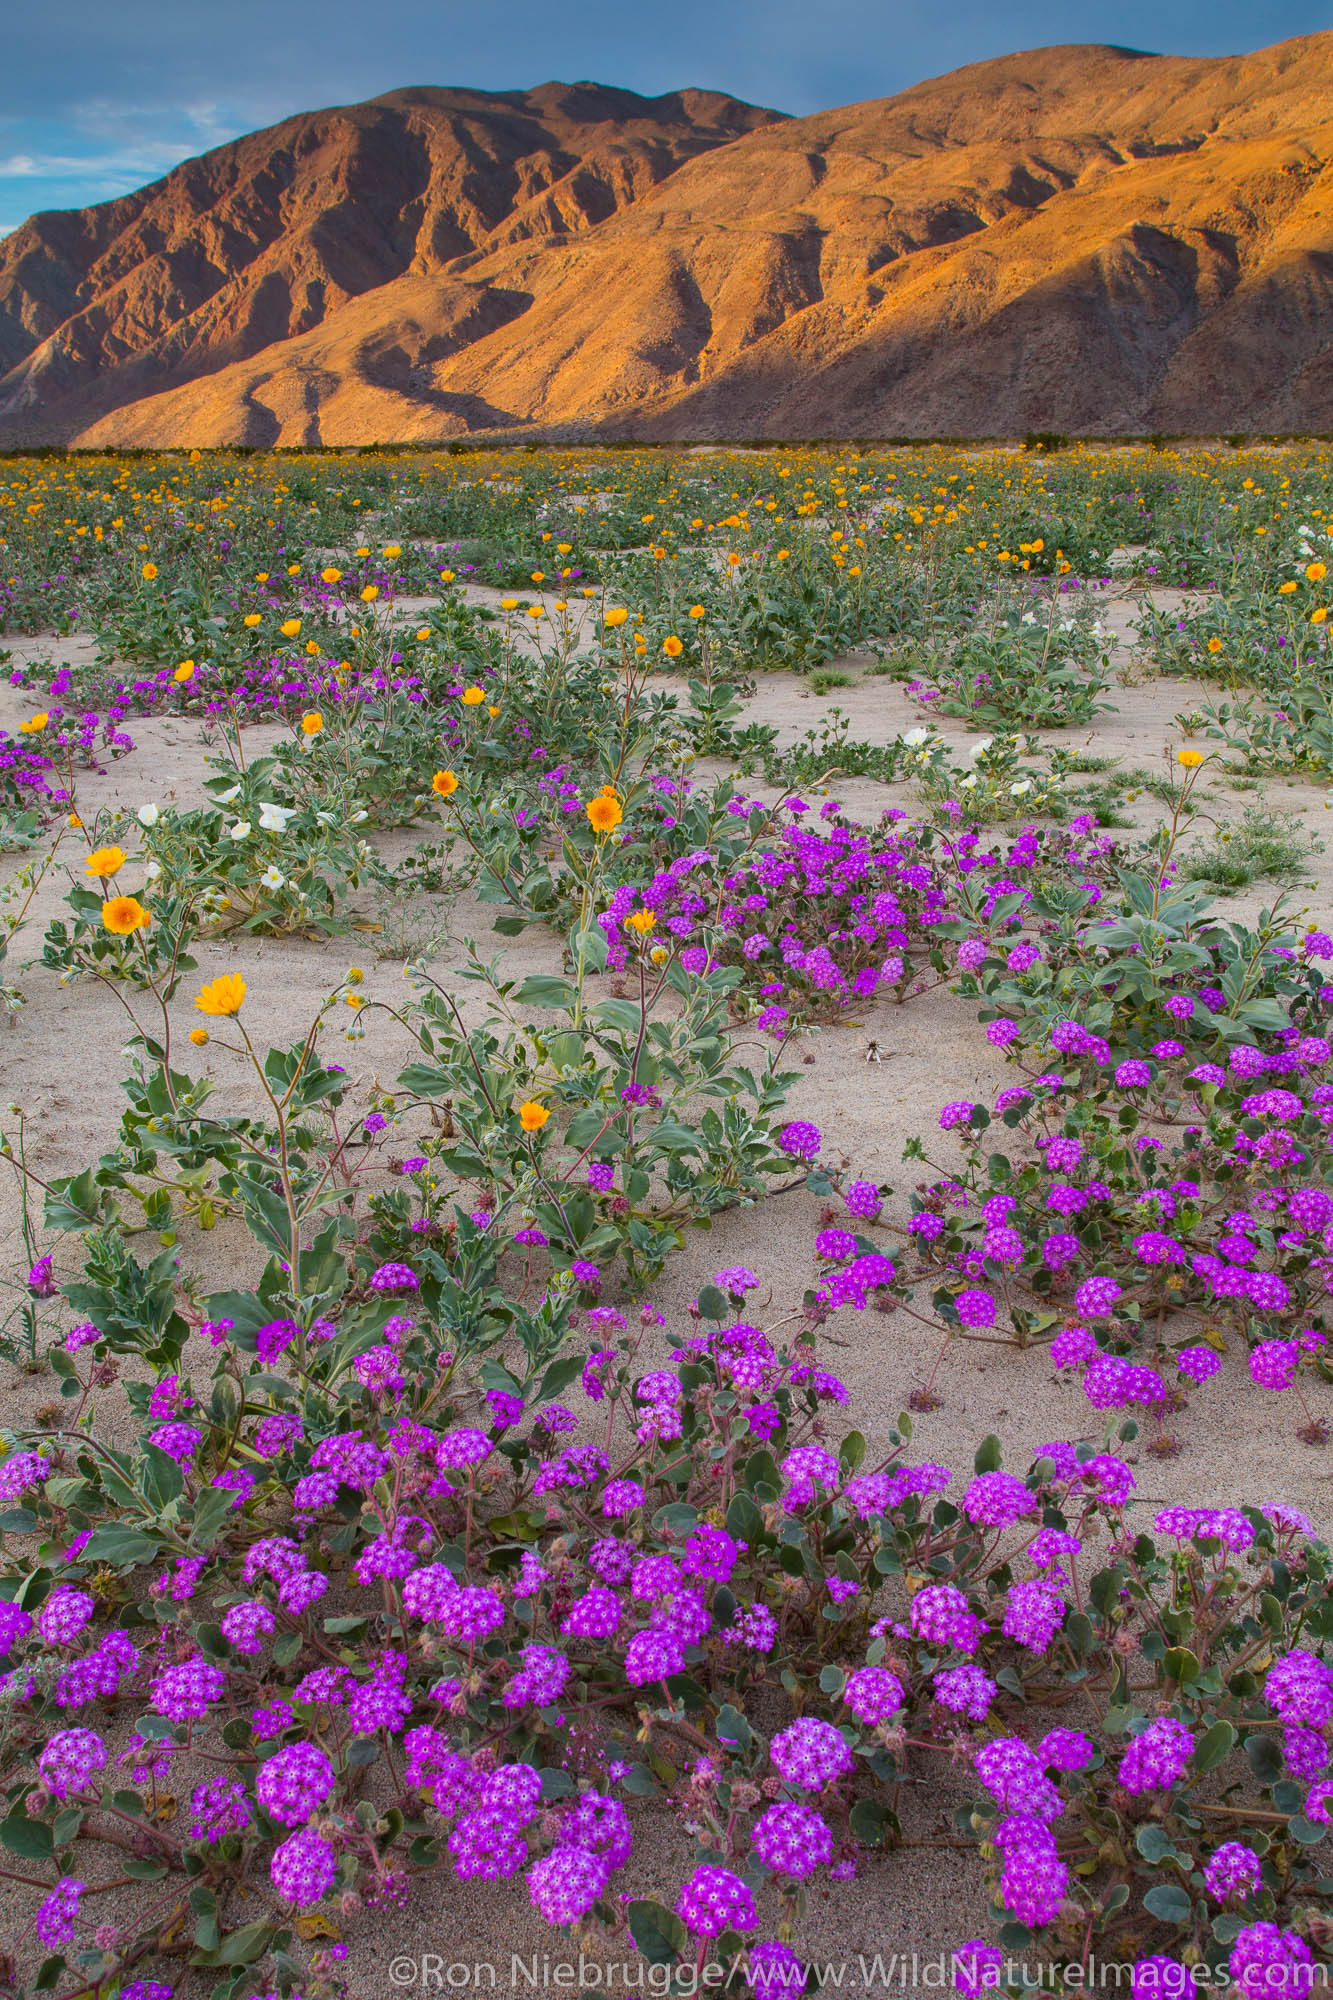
[(199, 1036), (124, 915), (672, 647), (148, 572), (472, 697), (370, 593), (251, 618), (642, 921), (222, 995), (35, 724), (331, 575), (290, 627), (616, 616), (311, 723), (444, 784), (105, 862), (604, 815), (532, 1116), (184, 672)]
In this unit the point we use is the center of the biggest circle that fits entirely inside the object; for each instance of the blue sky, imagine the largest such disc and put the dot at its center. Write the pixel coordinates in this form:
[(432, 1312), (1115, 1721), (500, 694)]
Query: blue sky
[(99, 96)]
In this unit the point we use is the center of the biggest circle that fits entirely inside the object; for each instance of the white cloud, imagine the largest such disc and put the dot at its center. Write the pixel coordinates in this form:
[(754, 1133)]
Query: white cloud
[(83, 166), (126, 159)]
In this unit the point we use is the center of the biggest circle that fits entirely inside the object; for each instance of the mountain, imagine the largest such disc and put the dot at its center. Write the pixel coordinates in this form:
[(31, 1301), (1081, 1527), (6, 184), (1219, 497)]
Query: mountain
[(257, 243), (1078, 239)]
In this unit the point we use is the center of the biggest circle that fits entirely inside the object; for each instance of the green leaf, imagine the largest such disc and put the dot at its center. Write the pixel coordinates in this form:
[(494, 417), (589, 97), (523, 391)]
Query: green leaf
[(1153, 1843), (660, 1936), (851, 1452), (28, 1838), (1265, 1757), (243, 1947), (540, 989), (1214, 1746), (1169, 1903), (732, 1727), (163, 1479), (744, 1521), (868, 1820), (624, 1015), (591, 947), (989, 1454), (126, 1548)]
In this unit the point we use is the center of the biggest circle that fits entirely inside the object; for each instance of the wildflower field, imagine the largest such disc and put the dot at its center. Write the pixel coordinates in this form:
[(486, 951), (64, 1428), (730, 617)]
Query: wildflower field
[(668, 1221)]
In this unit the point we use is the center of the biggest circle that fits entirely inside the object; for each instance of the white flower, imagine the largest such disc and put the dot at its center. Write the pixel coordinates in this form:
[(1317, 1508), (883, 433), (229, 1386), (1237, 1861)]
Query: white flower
[(240, 831), (979, 748), (357, 817), (149, 815), (1023, 785), (226, 798), (153, 870), (1028, 618), (966, 784), (915, 736), (272, 878), (274, 818), (327, 818)]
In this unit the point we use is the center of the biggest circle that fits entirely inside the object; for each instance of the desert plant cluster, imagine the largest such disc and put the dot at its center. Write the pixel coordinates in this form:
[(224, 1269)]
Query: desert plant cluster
[(444, 926)]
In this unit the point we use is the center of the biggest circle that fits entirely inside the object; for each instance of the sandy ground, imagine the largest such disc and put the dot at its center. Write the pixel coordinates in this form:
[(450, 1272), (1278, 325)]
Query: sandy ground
[(61, 1061)]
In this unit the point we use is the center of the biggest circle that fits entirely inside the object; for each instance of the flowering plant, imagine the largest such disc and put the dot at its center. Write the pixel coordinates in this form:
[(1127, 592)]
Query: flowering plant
[(564, 1624)]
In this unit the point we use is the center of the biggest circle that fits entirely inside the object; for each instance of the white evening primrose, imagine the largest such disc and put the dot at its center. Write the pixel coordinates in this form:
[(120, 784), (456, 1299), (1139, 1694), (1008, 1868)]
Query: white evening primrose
[(240, 831), (149, 815), (274, 818), (272, 878)]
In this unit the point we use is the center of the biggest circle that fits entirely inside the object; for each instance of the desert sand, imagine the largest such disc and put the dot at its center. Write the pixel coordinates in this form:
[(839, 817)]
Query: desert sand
[(58, 1059)]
